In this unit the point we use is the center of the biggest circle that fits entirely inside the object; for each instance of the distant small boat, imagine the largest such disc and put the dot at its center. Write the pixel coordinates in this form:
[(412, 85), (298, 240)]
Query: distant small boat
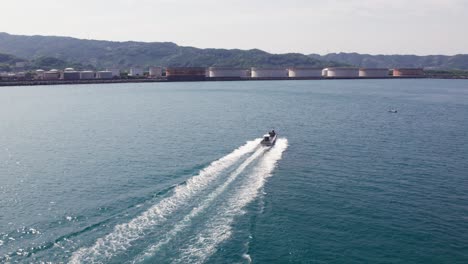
[(269, 139), (392, 111)]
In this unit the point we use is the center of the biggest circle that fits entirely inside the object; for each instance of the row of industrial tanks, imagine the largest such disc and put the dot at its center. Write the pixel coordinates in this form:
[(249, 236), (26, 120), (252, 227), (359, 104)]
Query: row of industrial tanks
[(295, 72), (226, 72), (71, 74)]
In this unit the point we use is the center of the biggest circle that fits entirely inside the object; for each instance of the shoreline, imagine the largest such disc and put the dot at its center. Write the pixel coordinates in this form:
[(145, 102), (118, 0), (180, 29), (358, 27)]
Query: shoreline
[(164, 80)]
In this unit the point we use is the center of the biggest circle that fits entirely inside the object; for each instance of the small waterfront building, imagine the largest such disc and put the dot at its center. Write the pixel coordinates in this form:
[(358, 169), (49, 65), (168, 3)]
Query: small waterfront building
[(115, 72), (8, 76), (305, 72), (104, 75), (408, 72), (155, 72), (51, 75), (227, 72), (373, 72), (86, 75), (342, 72), (135, 71), (185, 73), (269, 73)]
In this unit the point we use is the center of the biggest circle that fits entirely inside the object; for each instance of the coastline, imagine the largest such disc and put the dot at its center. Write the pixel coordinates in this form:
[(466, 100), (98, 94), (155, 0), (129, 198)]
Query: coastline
[(107, 81)]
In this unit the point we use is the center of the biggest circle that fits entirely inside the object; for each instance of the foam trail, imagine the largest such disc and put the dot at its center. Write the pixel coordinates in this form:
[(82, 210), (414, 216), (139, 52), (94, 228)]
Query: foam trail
[(219, 227), (123, 235), (197, 210)]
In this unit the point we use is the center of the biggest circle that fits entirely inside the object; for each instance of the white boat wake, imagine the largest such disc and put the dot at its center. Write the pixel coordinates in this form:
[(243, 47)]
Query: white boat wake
[(190, 200)]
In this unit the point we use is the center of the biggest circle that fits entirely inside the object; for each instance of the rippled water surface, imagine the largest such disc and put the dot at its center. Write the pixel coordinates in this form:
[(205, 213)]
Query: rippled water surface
[(173, 172)]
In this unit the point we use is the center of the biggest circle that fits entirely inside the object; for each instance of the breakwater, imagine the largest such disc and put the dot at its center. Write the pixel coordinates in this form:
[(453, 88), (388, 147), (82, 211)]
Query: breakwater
[(149, 80)]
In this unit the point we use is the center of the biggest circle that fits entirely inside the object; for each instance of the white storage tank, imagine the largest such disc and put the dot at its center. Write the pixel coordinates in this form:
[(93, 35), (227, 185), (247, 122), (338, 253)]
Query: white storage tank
[(342, 72), (269, 73), (40, 74), (305, 72), (86, 75), (373, 72), (104, 75), (52, 75), (325, 72), (71, 75), (135, 71), (227, 72), (155, 72)]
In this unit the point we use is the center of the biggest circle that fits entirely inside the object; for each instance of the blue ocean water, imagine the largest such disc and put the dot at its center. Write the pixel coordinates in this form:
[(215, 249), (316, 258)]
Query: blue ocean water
[(172, 172)]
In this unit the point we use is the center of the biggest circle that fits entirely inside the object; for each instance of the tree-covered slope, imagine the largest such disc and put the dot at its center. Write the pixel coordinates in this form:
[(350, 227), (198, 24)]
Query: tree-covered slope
[(456, 62), (125, 54)]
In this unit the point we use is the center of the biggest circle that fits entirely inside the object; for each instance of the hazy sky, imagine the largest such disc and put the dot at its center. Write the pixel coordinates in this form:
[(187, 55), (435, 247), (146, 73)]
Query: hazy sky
[(307, 26)]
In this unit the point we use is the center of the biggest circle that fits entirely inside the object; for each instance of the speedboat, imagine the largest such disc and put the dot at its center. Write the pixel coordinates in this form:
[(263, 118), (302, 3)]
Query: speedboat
[(392, 111), (269, 139)]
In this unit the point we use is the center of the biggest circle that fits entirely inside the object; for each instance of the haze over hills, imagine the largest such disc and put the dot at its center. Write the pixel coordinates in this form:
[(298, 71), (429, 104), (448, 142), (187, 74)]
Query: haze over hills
[(440, 62), (101, 54)]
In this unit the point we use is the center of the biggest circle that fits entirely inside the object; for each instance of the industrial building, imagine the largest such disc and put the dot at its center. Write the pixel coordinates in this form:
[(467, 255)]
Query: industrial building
[(10, 76), (269, 73), (155, 72), (342, 72), (408, 72), (104, 75), (51, 75), (135, 71), (115, 72), (305, 72), (71, 74), (373, 72), (86, 75), (324, 72), (40, 74), (185, 73), (227, 72)]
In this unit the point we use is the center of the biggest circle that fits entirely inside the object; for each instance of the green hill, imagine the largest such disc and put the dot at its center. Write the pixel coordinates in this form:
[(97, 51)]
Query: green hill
[(435, 62), (101, 54), (7, 61)]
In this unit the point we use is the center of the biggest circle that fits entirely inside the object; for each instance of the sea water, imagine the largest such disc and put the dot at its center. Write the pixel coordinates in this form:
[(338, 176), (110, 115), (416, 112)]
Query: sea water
[(174, 173)]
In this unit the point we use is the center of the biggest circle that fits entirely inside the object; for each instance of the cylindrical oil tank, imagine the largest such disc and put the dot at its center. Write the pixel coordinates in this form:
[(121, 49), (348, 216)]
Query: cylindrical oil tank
[(269, 72), (227, 72), (155, 72), (342, 72), (325, 72), (71, 75), (40, 74), (185, 73), (86, 75), (373, 72), (104, 75), (408, 72), (305, 72), (52, 75), (136, 71)]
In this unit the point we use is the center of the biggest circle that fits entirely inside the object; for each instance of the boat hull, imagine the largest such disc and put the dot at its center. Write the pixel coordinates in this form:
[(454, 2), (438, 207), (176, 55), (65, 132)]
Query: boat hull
[(270, 142)]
